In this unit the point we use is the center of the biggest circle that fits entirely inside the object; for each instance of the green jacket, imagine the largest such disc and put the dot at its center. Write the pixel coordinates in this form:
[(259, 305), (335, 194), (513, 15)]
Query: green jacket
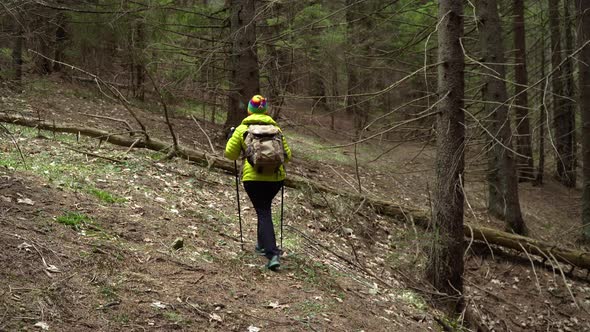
[(236, 145)]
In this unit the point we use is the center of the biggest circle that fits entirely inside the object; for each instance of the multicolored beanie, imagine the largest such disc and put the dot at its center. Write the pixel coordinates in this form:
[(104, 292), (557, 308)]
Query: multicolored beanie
[(257, 105)]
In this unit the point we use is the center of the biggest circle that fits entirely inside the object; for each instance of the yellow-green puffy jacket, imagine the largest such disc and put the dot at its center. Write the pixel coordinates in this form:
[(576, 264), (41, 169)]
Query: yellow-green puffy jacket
[(236, 145)]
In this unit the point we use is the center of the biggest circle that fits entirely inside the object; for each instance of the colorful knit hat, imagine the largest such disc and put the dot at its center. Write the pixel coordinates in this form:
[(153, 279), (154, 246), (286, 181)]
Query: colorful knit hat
[(257, 105)]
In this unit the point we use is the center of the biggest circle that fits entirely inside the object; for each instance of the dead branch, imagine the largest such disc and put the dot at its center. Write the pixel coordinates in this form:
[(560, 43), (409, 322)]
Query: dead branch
[(94, 155), (117, 95), (165, 107), (112, 119), (20, 152), (205, 133)]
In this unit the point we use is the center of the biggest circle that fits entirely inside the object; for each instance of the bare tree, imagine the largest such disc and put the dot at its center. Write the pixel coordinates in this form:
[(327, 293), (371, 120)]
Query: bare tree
[(502, 180), (244, 75), (583, 11), (523, 128), (445, 265)]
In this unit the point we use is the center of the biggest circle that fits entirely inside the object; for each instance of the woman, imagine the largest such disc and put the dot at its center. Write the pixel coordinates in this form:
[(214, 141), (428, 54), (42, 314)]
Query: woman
[(260, 186)]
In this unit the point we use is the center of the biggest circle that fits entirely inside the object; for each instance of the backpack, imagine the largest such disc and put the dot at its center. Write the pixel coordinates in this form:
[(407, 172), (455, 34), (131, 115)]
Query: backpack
[(264, 148)]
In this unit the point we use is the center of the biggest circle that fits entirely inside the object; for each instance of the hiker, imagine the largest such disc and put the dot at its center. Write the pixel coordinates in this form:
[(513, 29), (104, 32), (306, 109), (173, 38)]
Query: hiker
[(262, 178)]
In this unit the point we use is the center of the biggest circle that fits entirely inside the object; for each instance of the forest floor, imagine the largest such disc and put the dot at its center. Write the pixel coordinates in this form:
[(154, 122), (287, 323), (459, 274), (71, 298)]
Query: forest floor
[(87, 243)]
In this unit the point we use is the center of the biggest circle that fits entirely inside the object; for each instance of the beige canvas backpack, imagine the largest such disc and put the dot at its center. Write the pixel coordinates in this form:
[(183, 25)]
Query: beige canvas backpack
[(264, 148)]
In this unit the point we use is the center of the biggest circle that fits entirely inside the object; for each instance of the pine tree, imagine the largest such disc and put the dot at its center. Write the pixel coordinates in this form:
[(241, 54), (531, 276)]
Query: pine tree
[(445, 266), (502, 180), (583, 11), (244, 75)]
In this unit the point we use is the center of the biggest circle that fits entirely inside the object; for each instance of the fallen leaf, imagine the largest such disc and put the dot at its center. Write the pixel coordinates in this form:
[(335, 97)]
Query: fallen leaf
[(26, 201), (42, 325), (215, 317), (52, 268), (24, 246), (158, 305)]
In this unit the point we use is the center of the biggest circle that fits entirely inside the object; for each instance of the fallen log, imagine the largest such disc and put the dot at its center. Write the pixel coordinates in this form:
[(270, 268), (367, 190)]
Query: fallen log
[(119, 139), (545, 250), (525, 245)]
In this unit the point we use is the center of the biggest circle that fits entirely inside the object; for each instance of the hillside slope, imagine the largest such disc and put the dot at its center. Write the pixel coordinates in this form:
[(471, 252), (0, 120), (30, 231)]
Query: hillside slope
[(87, 245), (346, 268)]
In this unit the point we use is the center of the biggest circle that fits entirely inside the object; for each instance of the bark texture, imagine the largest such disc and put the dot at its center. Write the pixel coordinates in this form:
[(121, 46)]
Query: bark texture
[(244, 75), (138, 68), (502, 180), (562, 117), (17, 55), (569, 104), (542, 120), (523, 129), (60, 41), (355, 32), (583, 11), (445, 264)]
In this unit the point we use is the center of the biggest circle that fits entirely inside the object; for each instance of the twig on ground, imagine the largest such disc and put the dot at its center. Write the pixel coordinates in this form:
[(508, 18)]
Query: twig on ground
[(492, 294), (132, 145), (20, 152), (565, 280), (533, 267), (131, 130), (356, 169), (94, 155), (342, 177), (165, 107)]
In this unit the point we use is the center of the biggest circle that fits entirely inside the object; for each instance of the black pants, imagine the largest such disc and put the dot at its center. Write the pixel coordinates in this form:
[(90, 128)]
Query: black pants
[(261, 194)]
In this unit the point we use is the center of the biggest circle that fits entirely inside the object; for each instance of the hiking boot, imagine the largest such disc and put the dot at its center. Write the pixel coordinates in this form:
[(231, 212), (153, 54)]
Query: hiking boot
[(273, 264), (259, 250)]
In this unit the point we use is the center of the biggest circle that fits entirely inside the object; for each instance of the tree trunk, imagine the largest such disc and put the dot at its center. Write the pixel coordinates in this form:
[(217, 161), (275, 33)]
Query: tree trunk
[(569, 104), (542, 119), (353, 65), (523, 142), (17, 55), (244, 76), (139, 67), (502, 180), (42, 63), (445, 263), (561, 117), (583, 10), (60, 41)]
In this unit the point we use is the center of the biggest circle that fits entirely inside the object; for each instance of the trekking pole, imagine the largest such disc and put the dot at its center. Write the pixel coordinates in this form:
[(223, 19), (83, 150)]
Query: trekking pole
[(282, 210), (238, 196)]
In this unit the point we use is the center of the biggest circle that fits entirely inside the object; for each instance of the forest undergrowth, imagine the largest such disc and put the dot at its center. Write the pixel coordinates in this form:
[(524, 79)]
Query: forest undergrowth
[(87, 234)]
